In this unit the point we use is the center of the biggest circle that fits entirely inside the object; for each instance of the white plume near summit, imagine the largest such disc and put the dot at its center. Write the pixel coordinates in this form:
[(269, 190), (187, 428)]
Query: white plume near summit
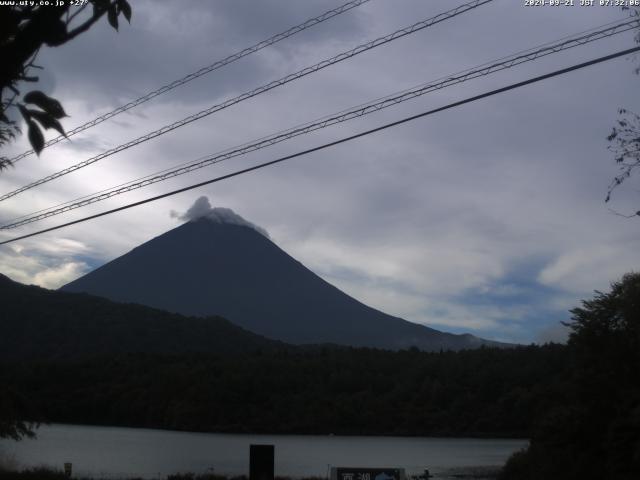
[(202, 208)]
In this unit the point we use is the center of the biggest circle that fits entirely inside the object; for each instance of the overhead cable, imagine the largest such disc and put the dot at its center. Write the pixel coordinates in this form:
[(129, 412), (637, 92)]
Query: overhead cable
[(270, 86), (203, 71), (345, 115), (331, 144)]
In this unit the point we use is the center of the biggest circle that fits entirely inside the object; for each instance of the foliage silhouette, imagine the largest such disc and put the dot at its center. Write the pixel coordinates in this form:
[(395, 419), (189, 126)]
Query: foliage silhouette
[(593, 430), (624, 139), (24, 30)]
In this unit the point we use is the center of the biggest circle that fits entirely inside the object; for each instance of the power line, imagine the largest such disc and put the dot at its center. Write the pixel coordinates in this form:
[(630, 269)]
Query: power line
[(345, 115), (276, 83), (336, 142), (361, 110), (203, 71)]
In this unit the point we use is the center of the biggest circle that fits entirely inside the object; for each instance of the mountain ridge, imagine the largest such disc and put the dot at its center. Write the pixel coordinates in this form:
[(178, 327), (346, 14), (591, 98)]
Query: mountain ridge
[(215, 268), (38, 324)]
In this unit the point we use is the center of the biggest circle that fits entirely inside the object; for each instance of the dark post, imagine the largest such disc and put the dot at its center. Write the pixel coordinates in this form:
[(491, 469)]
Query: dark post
[(261, 462)]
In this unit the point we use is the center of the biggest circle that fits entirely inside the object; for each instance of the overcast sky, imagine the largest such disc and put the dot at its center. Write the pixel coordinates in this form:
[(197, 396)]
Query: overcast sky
[(488, 218)]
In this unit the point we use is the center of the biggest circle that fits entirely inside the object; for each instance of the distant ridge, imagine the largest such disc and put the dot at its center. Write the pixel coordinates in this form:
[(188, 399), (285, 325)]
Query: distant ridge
[(209, 266), (38, 324)]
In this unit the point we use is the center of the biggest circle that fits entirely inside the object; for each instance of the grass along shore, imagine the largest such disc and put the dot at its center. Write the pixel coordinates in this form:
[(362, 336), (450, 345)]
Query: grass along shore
[(46, 473)]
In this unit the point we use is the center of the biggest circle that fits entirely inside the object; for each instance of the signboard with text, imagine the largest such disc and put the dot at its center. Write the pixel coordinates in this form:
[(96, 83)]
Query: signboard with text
[(365, 473)]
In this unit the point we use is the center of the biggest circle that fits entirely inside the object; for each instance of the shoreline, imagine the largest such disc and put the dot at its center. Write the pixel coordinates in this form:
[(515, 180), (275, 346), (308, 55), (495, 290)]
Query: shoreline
[(118, 453), (280, 434), (47, 473)]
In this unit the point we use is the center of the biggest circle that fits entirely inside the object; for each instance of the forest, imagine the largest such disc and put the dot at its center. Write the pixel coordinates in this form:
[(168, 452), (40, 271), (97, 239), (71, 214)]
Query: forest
[(579, 404), (486, 392)]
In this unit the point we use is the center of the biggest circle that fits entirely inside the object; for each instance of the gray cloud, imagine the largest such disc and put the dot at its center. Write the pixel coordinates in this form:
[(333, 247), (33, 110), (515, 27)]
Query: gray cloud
[(167, 40)]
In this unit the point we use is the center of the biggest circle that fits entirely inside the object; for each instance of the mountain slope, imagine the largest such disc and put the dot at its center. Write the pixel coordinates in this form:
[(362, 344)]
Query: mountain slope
[(207, 267), (37, 323)]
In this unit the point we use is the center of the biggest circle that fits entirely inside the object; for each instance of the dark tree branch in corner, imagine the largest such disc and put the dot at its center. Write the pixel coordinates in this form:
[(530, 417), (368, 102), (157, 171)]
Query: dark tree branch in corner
[(23, 31), (87, 24)]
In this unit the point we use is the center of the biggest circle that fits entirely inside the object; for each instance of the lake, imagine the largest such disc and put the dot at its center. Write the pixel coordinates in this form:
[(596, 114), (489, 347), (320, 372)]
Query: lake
[(127, 452)]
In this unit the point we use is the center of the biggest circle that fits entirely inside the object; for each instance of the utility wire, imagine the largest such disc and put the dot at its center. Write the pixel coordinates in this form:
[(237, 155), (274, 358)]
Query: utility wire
[(203, 71), (276, 83), (345, 115), (361, 110), (336, 142)]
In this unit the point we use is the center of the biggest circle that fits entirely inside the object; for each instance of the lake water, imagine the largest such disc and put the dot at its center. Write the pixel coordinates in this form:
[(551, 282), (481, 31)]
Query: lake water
[(127, 452)]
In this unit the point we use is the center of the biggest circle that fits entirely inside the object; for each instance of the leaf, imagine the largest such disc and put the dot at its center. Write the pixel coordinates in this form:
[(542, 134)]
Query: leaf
[(47, 121), (112, 16), (35, 137), (46, 103), (125, 8)]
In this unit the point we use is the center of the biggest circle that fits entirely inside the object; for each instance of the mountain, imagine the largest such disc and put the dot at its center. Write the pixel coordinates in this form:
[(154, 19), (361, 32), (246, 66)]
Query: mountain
[(37, 323), (219, 264)]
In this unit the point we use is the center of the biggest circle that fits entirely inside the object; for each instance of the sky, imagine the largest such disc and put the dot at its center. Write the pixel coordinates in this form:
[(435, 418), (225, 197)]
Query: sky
[(488, 218)]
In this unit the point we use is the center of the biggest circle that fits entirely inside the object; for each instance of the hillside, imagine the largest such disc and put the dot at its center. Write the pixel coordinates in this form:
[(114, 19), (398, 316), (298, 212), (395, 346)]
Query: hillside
[(37, 323)]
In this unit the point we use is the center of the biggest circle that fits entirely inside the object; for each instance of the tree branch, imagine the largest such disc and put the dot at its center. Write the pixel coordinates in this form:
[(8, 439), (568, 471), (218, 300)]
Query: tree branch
[(77, 12), (86, 25), (623, 215)]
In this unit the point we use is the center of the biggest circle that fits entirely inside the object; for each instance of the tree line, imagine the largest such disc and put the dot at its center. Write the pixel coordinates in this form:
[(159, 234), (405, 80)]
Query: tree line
[(485, 392)]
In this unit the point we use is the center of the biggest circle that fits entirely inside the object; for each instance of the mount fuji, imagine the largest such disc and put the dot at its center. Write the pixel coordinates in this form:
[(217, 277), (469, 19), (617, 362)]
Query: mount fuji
[(217, 263)]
